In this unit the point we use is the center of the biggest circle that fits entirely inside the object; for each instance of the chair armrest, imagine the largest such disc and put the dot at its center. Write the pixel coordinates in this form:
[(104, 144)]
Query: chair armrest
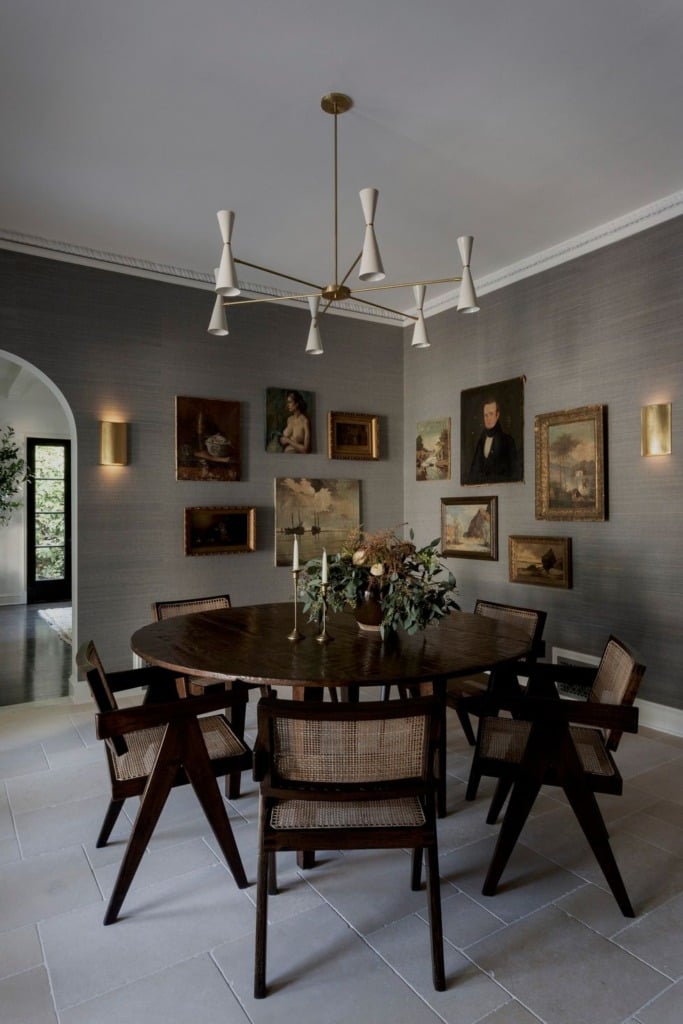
[(553, 710), (149, 675), (144, 716)]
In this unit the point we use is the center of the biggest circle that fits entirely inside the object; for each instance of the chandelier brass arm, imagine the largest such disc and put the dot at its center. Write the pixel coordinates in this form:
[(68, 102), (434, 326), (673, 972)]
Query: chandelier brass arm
[(371, 269)]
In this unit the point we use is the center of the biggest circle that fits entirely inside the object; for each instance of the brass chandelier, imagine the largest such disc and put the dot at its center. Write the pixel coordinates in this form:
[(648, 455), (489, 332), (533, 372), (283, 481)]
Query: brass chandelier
[(371, 269)]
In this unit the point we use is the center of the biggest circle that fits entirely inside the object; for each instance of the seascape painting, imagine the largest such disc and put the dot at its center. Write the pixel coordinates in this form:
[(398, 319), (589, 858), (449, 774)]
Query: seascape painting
[(320, 513)]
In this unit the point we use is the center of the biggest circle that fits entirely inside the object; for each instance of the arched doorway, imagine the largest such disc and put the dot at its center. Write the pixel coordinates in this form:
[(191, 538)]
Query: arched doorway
[(37, 663)]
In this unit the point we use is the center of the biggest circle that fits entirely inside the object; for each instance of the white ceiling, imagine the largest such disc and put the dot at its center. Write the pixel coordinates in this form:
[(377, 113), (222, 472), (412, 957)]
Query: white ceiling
[(127, 123)]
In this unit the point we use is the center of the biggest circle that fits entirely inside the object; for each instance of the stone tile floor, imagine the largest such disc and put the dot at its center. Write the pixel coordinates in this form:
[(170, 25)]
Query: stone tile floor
[(348, 940)]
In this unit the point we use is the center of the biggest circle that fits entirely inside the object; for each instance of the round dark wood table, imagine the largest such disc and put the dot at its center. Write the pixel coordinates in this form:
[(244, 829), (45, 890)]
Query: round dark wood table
[(251, 644)]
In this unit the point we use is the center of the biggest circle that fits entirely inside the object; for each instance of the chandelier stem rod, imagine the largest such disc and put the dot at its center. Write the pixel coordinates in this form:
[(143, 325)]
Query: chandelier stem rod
[(336, 204)]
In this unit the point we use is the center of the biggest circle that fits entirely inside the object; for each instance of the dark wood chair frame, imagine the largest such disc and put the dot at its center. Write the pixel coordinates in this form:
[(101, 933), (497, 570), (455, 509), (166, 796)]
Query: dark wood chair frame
[(274, 789), (551, 758), (195, 685), (503, 680), (182, 758)]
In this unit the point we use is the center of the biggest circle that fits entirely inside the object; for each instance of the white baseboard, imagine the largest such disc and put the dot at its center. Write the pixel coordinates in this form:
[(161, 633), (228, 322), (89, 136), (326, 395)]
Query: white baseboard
[(660, 717)]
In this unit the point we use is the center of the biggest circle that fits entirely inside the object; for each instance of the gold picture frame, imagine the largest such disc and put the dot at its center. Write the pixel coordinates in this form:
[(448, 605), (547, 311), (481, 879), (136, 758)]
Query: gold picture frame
[(541, 561), (352, 435), (570, 464), (220, 530)]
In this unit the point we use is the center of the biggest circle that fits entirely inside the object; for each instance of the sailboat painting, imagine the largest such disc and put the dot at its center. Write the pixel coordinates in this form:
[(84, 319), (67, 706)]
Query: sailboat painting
[(319, 513)]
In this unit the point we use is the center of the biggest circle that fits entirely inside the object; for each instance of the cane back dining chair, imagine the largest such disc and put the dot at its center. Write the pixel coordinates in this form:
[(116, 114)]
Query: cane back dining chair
[(345, 777), (560, 742), (532, 621), (153, 747), (196, 685)]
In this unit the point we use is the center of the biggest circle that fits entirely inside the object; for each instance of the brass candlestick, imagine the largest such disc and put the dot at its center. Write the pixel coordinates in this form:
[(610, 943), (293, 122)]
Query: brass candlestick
[(295, 634), (323, 636)]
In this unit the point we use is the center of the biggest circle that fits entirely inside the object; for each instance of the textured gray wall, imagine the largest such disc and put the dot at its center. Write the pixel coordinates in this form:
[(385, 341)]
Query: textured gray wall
[(606, 328), (116, 343)]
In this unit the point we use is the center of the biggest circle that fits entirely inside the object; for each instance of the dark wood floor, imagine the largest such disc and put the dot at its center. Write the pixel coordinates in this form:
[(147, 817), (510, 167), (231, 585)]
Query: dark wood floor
[(35, 663)]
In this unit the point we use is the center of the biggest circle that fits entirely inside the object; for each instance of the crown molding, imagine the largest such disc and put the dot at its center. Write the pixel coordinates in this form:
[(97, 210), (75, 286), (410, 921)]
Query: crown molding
[(598, 237), (100, 259)]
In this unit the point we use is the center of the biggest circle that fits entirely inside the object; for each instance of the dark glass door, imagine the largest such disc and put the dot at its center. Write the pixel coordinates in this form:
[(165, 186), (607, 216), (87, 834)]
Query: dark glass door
[(48, 520)]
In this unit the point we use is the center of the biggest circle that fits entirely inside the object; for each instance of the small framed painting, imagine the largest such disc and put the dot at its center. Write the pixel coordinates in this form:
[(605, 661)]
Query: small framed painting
[(289, 413), (542, 561), (469, 527), (352, 435), (433, 449), (207, 439), (219, 530)]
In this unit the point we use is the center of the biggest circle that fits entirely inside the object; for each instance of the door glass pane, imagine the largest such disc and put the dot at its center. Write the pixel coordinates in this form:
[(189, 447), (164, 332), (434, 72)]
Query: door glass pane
[(49, 462), (49, 518), (49, 529), (49, 495), (49, 563)]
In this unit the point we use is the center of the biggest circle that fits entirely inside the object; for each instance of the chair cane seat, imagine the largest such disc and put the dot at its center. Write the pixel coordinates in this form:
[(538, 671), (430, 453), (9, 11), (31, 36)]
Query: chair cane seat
[(505, 739), (143, 747), (322, 814)]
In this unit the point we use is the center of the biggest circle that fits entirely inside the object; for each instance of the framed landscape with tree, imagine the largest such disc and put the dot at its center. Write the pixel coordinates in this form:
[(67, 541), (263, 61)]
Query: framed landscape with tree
[(570, 464), (433, 449)]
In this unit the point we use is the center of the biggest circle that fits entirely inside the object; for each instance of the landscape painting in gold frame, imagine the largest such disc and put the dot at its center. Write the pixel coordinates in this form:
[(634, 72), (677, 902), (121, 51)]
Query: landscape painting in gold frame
[(219, 530), (570, 464), (352, 435), (542, 561)]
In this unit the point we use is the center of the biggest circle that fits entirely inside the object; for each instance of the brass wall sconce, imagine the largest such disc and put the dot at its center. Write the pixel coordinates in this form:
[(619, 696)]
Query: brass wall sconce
[(655, 429), (113, 443)]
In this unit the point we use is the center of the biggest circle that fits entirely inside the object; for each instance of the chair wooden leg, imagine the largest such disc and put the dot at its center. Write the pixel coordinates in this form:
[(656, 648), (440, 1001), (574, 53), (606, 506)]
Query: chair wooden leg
[(503, 787), (522, 799), (237, 715), (466, 725), (587, 811), (272, 874), (198, 769), (473, 783), (416, 869), (435, 922), (262, 884), (152, 803), (110, 819)]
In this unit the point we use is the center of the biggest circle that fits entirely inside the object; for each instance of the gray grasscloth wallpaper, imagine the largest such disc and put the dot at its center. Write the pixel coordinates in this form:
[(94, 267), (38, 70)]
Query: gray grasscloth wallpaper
[(602, 329), (113, 343), (606, 328)]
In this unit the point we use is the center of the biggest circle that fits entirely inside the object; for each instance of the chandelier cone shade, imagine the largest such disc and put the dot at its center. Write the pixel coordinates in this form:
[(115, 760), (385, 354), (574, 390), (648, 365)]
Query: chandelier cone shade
[(219, 321), (420, 339), (314, 345), (369, 262)]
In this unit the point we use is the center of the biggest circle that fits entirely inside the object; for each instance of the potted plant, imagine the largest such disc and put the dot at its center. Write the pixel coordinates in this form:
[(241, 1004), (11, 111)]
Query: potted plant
[(13, 472), (389, 582)]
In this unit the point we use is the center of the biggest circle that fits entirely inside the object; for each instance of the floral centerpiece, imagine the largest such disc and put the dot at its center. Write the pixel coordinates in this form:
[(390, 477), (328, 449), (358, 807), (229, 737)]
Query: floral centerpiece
[(410, 584)]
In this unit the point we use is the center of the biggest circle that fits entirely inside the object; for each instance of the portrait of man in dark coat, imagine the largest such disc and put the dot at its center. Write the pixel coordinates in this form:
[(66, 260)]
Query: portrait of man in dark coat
[(492, 434)]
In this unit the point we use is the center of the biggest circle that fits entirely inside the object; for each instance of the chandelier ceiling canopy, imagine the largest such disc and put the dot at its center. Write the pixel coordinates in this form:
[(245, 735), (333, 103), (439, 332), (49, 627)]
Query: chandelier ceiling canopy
[(370, 272)]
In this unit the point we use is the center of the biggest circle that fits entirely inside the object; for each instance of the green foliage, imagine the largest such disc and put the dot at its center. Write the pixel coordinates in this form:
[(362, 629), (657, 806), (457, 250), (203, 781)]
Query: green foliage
[(13, 472), (414, 588)]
